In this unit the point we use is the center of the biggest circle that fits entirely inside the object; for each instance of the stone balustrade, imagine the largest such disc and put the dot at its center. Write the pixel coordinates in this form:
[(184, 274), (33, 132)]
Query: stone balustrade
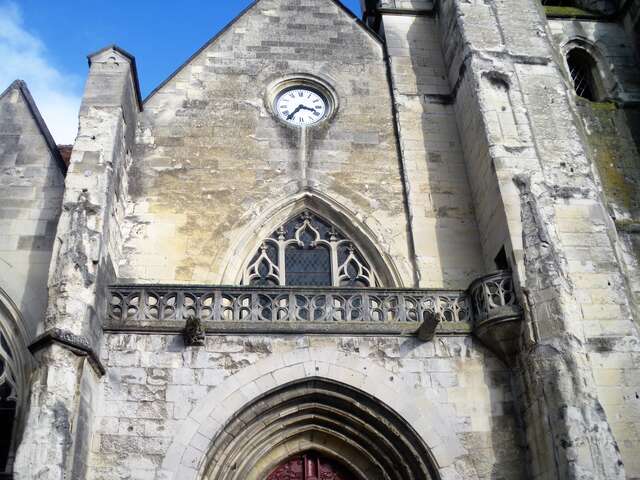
[(308, 309)]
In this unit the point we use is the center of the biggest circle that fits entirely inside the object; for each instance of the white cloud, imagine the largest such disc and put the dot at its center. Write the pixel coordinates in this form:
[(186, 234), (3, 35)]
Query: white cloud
[(24, 57)]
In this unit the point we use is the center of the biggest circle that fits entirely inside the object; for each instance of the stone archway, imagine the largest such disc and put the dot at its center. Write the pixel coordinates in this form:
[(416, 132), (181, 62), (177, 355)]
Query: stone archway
[(189, 457), (324, 416), (15, 363)]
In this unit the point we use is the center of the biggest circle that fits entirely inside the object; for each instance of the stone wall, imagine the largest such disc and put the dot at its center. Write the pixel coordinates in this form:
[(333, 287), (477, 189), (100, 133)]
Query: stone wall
[(457, 138), (631, 23), (561, 236), (610, 126), (448, 246), (612, 49), (156, 388), (31, 189), (213, 166)]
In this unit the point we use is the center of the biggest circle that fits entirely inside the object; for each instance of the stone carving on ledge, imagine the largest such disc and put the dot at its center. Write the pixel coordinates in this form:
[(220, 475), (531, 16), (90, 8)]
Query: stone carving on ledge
[(194, 333), (427, 330)]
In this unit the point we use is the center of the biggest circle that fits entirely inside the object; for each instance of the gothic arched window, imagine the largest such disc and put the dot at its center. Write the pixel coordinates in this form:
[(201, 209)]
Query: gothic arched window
[(8, 405), (584, 74), (309, 251)]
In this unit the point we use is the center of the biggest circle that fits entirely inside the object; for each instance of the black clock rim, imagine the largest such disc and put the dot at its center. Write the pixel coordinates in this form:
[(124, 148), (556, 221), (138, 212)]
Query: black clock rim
[(317, 91)]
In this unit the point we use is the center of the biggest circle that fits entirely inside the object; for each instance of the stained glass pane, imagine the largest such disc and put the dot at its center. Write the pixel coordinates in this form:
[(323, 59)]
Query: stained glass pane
[(308, 267)]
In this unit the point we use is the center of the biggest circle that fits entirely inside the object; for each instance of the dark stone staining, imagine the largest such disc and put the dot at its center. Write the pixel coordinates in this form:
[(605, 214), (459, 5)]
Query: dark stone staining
[(258, 346), (33, 242), (62, 425), (233, 365), (540, 252), (602, 344), (80, 237)]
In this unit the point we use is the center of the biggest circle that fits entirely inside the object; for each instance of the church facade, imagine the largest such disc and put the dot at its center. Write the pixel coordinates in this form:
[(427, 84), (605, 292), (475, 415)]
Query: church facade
[(402, 247)]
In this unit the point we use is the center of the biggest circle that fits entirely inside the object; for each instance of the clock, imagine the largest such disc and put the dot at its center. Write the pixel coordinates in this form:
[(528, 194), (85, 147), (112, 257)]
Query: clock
[(301, 106)]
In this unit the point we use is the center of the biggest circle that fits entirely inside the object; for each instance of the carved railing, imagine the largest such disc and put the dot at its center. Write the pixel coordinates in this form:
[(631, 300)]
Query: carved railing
[(148, 305), (224, 308), (492, 296), (497, 314)]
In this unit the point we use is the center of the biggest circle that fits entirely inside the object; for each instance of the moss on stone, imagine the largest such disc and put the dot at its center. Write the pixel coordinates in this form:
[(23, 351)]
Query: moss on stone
[(628, 226), (611, 154), (568, 12), (604, 106)]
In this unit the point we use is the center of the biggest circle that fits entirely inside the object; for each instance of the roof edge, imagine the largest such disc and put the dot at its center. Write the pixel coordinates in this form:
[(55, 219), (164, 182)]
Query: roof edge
[(134, 68), (21, 86), (206, 45), (228, 26)]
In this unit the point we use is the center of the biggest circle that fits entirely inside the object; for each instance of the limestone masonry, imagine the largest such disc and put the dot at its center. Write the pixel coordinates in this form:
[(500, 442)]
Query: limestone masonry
[(405, 247)]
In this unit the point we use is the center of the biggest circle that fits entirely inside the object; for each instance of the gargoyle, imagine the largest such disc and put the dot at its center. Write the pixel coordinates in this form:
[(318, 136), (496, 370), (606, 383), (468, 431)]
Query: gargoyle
[(194, 333)]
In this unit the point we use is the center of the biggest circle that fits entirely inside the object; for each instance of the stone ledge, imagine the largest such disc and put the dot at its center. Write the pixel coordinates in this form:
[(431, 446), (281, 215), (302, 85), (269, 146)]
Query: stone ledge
[(408, 329), (77, 344), (489, 309)]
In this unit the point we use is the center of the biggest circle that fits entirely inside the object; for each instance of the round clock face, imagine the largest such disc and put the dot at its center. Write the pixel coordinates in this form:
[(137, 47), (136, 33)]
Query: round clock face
[(302, 106)]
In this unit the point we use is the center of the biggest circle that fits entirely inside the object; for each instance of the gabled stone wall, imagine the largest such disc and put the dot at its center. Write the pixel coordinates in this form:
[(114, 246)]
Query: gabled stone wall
[(31, 189), (212, 165)]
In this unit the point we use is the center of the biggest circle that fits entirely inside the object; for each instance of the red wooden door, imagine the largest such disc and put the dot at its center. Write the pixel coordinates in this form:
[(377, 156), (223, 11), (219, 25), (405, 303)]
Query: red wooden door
[(310, 466)]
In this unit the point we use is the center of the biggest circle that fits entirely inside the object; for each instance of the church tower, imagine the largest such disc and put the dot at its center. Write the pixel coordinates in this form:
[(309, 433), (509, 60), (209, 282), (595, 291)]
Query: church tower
[(397, 248)]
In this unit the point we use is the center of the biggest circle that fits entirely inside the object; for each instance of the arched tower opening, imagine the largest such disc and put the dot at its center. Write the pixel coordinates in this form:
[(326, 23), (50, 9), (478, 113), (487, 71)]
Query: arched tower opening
[(326, 424), (14, 363), (583, 69)]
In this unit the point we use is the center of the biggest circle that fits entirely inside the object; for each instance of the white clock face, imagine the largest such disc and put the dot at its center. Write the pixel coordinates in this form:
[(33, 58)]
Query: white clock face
[(301, 106)]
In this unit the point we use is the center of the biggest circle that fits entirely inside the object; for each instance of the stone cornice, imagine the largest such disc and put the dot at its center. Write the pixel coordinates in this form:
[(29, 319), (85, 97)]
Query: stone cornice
[(77, 344)]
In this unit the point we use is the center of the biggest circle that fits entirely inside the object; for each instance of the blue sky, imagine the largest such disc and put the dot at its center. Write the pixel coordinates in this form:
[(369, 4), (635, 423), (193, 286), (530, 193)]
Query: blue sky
[(46, 44)]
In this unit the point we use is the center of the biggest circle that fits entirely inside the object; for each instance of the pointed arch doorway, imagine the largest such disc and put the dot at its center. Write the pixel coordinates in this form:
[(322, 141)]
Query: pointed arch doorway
[(311, 466), (340, 431)]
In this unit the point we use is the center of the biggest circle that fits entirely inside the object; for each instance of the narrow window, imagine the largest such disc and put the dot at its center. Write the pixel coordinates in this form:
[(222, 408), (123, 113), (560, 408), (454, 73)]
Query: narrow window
[(584, 74), (501, 261)]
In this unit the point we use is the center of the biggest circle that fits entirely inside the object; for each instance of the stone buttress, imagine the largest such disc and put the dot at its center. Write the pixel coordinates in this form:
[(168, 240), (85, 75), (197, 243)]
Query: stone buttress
[(59, 425)]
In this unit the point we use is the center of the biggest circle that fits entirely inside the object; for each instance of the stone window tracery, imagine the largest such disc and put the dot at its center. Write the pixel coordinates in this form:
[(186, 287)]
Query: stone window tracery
[(309, 251)]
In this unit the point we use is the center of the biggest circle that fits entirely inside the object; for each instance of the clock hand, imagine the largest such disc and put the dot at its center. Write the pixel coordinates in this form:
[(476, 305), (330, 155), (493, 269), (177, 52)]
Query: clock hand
[(293, 114)]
